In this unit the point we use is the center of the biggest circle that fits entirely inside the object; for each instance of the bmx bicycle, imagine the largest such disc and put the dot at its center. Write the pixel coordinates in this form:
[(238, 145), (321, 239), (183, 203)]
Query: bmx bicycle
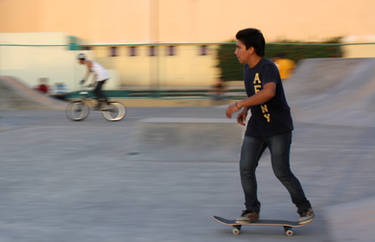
[(79, 108)]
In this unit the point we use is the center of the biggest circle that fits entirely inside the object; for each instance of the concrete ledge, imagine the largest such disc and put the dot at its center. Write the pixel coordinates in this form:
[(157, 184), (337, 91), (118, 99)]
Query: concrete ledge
[(16, 95), (171, 102)]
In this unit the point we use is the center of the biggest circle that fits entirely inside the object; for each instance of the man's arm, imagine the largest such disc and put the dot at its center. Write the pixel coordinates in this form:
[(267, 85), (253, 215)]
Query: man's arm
[(263, 96), (88, 72)]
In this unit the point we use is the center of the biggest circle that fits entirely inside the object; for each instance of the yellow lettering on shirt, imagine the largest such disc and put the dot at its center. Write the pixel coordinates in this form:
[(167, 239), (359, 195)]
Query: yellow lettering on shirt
[(268, 117), (257, 88), (264, 108), (257, 79)]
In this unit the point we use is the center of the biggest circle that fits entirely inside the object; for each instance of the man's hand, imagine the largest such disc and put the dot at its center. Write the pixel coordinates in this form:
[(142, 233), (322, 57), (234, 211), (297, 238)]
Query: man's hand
[(233, 108), (241, 118)]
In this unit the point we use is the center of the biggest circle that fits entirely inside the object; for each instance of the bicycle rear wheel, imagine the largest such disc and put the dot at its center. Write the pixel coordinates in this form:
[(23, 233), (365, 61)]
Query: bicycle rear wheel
[(77, 111), (114, 111)]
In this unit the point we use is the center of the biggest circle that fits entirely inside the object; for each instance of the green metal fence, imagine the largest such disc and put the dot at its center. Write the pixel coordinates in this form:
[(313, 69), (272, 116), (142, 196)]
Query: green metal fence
[(155, 91)]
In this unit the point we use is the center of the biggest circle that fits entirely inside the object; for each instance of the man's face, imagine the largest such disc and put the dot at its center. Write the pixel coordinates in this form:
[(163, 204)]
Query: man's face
[(242, 53), (81, 61)]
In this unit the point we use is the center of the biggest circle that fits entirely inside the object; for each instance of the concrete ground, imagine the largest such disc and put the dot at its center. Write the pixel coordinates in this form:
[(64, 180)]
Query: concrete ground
[(160, 174), (154, 177)]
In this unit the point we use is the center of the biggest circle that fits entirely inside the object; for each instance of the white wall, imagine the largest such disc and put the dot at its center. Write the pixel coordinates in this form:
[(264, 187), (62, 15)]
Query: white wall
[(29, 63)]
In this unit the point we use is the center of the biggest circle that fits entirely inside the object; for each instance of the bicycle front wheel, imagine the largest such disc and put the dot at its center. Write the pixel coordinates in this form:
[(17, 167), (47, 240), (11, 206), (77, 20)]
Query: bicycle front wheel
[(114, 111), (77, 111)]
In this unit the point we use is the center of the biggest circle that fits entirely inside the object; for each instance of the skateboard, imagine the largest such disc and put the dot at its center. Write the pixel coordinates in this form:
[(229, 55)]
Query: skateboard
[(287, 225)]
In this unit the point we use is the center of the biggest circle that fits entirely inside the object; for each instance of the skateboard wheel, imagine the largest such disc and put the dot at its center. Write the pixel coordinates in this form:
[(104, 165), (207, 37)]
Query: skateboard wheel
[(235, 231), (289, 233)]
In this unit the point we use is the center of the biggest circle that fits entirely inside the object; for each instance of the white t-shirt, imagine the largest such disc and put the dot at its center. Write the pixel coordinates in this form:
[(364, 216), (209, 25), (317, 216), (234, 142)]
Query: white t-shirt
[(101, 73)]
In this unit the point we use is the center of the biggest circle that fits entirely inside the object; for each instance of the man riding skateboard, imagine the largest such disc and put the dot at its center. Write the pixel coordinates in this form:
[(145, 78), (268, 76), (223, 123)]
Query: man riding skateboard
[(270, 126)]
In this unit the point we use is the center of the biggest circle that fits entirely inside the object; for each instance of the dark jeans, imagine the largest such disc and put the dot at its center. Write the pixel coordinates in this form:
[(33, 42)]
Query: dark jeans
[(279, 146), (99, 93)]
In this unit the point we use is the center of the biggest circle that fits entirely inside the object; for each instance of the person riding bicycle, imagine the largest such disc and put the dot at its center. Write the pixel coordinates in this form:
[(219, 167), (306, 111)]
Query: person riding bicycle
[(100, 77)]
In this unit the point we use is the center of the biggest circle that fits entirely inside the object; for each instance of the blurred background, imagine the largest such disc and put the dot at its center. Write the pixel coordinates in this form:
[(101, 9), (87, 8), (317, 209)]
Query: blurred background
[(161, 173), (168, 48)]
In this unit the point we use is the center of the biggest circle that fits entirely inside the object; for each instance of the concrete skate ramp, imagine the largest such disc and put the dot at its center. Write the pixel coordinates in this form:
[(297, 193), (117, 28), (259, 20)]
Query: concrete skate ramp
[(16, 95), (333, 91), (340, 92)]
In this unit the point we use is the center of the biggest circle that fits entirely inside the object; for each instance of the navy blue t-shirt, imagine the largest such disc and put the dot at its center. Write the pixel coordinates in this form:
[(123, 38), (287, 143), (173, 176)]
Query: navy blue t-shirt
[(273, 117)]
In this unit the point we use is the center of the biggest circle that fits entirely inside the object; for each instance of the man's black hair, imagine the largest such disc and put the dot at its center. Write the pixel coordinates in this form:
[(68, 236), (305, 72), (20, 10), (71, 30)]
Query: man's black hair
[(252, 38)]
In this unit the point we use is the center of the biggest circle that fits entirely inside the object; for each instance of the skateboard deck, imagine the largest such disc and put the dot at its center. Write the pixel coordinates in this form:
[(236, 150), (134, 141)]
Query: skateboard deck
[(287, 225)]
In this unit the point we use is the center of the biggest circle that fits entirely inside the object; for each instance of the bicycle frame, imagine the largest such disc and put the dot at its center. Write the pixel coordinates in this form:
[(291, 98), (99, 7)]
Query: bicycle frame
[(87, 99)]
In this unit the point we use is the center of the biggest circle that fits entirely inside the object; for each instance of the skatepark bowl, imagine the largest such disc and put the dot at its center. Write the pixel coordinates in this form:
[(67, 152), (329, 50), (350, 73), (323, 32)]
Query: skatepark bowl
[(162, 173)]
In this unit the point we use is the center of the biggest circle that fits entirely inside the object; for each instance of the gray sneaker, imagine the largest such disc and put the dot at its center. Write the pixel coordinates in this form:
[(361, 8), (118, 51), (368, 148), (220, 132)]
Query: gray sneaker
[(248, 217), (306, 216)]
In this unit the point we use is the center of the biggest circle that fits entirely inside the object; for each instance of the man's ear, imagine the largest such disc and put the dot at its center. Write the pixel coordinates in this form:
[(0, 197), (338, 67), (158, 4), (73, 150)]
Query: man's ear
[(251, 50)]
